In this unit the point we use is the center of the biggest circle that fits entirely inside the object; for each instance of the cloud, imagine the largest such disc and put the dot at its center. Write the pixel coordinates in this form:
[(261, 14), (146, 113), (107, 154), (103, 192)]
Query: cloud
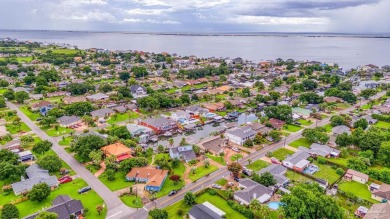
[(267, 20)]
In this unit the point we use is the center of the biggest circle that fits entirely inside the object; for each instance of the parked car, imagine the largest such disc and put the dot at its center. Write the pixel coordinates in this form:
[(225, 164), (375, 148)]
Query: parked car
[(247, 172), (39, 119), (237, 179), (85, 189), (275, 160), (230, 183), (173, 192), (65, 179), (297, 123), (216, 186), (236, 149), (64, 171)]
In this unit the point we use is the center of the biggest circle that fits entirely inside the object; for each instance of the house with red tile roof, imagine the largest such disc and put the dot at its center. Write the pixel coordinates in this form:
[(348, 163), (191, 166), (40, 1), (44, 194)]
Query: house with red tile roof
[(119, 150)]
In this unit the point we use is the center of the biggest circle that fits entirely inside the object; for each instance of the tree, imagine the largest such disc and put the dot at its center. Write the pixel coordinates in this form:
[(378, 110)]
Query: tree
[(248, 143), (316, 135), (9, 94), (9, 211), (357, 164), (79, 108), (259, 209), (8, 156), (275, 135), (362, 123), (235, 168), (50, 162), (344, 140), (274, 95), (309, 84), (384, 153), (125, 76), (47, 121), (175, 178), (309, 201), (311, 97), (337, 120), (46, 215), (189, 199), (2, 102), (171, 142), (282, 112), (128, 164), (42, 147), (96, 157), (206, 163), (266, 179), (125, 92), (11, 171), (79, 89), (39, 192), (99, 208), (120, 132), (84, 145), (158, 214), (139, 71), (21, 96), (368, 93)]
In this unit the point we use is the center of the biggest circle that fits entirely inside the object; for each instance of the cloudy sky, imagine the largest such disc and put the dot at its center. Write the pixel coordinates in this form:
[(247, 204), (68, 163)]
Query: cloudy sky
[(350, 16)]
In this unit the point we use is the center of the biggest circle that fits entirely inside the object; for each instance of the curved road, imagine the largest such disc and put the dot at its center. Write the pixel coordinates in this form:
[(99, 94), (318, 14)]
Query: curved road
[(116, 209)]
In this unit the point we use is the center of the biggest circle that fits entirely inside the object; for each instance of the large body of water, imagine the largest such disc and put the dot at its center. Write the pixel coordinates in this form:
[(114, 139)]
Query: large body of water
[(348, 51)]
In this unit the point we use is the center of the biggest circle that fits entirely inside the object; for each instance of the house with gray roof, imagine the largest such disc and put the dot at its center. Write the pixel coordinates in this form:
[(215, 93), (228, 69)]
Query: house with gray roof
[(298, 161), (206, 210), (252, 190), (240, 134), (278, 172), (213, 145), (340, 129), (67, 121), (138, 91), (196, 110), (35, 175), (97, 97), (185, 153), (159, 125), (64, 206), (320, 150), (101, 114)]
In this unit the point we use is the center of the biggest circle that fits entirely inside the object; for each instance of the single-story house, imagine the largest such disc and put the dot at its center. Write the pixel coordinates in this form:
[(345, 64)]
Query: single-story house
[(378, 211), (101, 114), (25, 155), (240, 134), (278, 172), (159, 125), (137, 130), (213, 107), (382, 194), (68, 121), (256, 126), (361, 211), (58, 94), (35, 176), (196, 110), (36, 96), (64, 206), (97, 97), (37, 106), (119, 150), (120, 109), (205, 210), (356, 176), (333, 100), (184, 152), (70, 100), (252, 190), (340, 129), (320, 150), (154, 178), (214, 145), (298, 161), (277, 123)]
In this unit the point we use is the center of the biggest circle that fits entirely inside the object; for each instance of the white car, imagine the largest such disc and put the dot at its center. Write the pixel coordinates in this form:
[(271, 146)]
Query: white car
[(236, 149), (216, 186)]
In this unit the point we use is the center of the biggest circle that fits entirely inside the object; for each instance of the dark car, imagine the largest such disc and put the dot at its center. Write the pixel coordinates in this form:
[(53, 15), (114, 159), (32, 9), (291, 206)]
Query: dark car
[(237, 179), (85, 189), (39, 119), (172, 192)]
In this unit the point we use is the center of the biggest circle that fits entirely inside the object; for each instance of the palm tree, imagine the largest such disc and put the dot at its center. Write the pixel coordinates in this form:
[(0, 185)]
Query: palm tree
[(171, 141), (229, 193), (259, 209)]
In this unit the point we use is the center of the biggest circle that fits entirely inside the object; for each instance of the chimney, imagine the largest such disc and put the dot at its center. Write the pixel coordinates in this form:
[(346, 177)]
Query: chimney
[(254, 196)]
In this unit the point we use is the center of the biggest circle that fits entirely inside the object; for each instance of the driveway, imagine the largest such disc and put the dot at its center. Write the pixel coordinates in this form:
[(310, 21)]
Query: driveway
[(115, 207)]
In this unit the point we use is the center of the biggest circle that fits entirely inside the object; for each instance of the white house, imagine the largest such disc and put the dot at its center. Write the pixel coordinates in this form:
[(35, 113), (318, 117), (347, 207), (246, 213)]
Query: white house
[(240, 134)]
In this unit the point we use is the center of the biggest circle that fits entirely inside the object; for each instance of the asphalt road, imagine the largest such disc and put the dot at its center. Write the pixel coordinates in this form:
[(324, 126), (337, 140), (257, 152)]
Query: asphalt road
[(223, 172), (116, 209)]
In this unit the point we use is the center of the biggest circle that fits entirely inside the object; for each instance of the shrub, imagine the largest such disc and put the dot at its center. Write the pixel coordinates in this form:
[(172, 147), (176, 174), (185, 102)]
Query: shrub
[(110, 175), (321, 160), (212, 192), (180, 212), (242, 209), (339, 171)]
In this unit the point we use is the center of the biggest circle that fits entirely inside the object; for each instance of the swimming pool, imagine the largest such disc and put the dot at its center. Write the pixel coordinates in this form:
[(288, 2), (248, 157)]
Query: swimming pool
[(274, 205)]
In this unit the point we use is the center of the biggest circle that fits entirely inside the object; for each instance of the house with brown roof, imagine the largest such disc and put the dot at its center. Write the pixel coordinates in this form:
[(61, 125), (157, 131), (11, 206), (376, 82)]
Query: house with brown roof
[(70, 100), (277, 123), (119, 150), (378, 211), (213, 145), (356, 176), (224, 88), (382, 193), (153, 178), (213, 107), (332, 100), (40, 104)]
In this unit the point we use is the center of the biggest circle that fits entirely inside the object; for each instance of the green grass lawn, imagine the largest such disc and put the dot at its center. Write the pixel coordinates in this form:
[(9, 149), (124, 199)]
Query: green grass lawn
[(119, 182), (201, 172), (123, 117), (92, 168), (31, 115), (217, 159), (221, 182), (300, 142), (132, 201), (257, 165), (3, 90), (282, 153), (222, 113), (168, 186), (64, 165), (213, 199), (296, 177), (179, 170), (382, 124), (305, 122), (328, 128), (65, 141), (291, 128), (340, 161), (360, 190), (342, 106), (89, 199), (16, 129), (55, 133), (366, 107), (326, 172), (19, 59), (235, 157)]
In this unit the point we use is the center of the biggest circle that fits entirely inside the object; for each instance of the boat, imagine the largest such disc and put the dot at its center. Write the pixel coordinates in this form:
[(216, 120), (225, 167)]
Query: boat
[(167, 134)]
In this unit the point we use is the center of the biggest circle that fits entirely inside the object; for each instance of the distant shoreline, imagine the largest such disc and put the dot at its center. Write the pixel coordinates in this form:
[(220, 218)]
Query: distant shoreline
[(228, 34)]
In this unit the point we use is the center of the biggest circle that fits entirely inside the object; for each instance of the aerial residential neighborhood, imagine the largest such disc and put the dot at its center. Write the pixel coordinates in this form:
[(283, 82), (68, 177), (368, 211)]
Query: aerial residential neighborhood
[(96, 133)]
